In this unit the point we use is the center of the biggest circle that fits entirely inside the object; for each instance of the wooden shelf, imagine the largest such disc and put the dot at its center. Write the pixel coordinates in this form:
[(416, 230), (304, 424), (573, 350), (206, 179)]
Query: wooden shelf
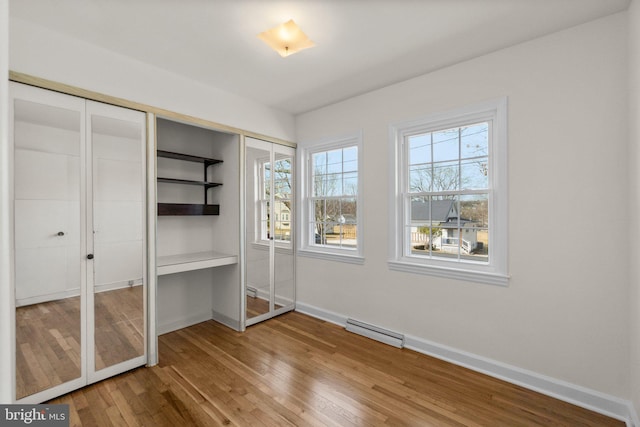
[(206, 184), (179, 209), (193, 261), (188, 157)]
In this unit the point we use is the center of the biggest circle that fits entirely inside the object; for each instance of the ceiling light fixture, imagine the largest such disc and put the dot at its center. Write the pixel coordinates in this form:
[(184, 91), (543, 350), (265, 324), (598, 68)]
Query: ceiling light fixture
[(286, 39)]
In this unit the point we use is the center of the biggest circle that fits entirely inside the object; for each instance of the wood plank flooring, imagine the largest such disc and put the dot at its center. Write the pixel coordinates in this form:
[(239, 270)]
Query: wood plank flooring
[(295, 370)]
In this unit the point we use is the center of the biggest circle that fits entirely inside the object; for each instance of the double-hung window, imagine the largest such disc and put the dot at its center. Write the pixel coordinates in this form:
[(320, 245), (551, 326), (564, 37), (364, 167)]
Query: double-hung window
[(280, 172), (450, 207), (332, 200)]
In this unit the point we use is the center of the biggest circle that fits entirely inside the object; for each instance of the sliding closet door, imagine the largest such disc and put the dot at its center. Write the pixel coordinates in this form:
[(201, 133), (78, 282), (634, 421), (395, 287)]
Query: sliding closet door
[(48, 148), (258, 233), (269, 260), (79, 242), (116, 236), (283, 214)]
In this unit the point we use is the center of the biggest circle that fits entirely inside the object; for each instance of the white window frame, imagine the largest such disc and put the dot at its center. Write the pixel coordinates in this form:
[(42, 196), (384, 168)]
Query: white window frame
[(307, 246), (495, 270), (261, 202)]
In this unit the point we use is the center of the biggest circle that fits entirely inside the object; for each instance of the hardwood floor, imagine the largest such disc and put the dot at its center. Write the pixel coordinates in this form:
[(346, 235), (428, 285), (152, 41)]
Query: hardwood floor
[(299, 371)]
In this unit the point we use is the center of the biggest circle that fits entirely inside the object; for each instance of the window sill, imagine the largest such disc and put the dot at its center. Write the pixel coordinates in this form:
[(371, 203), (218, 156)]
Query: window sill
[(488, 278), (339, 257)]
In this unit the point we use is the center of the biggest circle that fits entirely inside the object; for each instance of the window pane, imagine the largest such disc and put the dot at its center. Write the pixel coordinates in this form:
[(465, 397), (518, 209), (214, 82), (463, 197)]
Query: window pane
[(419, 149), (446, 176), (319, 163), (475, 244), (420, 211), (332, 210), (445, 145), (319, 185), (475, 173), (266, 167), (350, 184), (349, 210), (350, 159), (282, 212), (282, 181), (474, 210), (475, 140), (334, 161), (419, 235), (420, 178), (334, 176), (319, 211)]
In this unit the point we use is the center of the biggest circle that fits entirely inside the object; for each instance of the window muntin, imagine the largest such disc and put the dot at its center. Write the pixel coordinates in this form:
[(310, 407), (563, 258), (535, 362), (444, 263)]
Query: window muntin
[(450, 194), (447, 193), (333, 202), (282, 192)]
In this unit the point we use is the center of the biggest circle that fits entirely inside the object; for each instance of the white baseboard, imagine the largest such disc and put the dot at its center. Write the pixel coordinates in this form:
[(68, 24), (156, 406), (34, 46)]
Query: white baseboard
[(319, 313), (69, 293), (183, 322), (262, 294), (226, 320), (593, 400)]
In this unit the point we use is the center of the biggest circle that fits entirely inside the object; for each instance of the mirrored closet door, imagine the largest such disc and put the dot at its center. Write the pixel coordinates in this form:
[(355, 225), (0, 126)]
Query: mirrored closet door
[(79, 252), (269, 245)]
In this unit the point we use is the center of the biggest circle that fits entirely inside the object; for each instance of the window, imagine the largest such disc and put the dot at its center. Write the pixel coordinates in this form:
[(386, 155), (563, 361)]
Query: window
[(281, 174), (450, 194), (332, 203)]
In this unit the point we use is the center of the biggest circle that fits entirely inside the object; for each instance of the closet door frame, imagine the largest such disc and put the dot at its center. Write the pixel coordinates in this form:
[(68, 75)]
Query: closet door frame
[(83, 106), (272, 148), (37, 95), (114, 112)]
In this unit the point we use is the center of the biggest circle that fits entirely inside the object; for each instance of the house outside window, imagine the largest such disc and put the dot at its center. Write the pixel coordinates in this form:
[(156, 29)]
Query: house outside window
[(450, 216), (332, 200)]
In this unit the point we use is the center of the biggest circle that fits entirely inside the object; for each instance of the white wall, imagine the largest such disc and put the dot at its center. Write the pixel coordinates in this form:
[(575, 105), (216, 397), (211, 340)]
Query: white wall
[(565, 311), (6, 292), (634, 179), (43, 53)]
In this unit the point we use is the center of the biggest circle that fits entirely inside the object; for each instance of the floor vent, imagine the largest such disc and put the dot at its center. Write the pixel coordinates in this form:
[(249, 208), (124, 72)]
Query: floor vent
[(388, 337), (252, 292)]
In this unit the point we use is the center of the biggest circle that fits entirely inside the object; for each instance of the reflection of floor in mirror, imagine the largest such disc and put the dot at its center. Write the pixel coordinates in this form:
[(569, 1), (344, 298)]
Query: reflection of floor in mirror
[(257, 306), (48, 337), (47, 345), (119, 326)]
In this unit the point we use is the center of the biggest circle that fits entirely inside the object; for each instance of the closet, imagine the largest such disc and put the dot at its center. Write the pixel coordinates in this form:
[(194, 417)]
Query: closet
[(79, 216), (269, 236), (130, 224), (198, 225)]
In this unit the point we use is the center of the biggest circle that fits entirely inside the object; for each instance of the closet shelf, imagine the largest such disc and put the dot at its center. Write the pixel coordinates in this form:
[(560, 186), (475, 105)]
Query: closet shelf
[(188, 157), (193, 261), (206, 184), (176, 209)]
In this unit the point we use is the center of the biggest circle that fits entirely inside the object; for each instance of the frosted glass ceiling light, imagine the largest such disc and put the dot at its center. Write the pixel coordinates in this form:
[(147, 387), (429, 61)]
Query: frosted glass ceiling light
[(286, 39)]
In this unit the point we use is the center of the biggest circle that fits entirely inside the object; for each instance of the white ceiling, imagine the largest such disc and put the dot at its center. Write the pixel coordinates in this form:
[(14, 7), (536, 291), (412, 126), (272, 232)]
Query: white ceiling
[(361, 45)]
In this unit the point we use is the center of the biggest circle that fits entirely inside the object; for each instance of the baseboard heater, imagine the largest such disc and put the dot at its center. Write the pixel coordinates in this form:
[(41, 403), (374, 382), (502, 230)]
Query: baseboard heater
[(375, 333), (252, 292)]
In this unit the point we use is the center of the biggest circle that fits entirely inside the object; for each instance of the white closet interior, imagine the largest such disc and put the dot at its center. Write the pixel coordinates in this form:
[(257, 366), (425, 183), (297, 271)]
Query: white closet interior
[(198, 235)]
